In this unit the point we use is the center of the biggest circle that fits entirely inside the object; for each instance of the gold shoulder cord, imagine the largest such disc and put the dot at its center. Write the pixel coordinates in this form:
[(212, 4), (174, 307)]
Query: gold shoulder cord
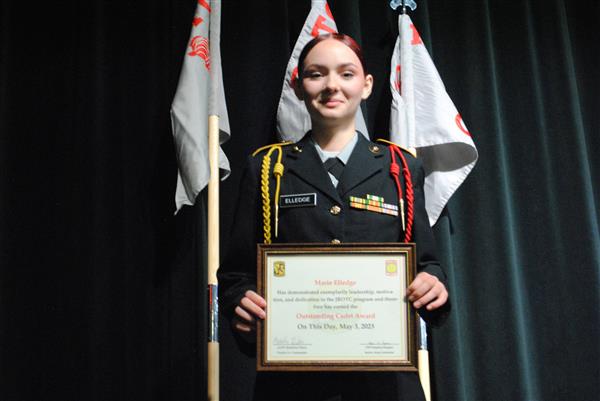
[(264, 188)]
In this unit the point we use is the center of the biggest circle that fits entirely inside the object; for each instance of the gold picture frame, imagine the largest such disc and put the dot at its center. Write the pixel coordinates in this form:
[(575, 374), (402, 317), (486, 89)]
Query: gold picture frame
[(336, 307)]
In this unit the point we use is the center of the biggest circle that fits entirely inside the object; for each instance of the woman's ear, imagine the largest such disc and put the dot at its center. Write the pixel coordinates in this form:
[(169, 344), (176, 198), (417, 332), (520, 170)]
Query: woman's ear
[(368, 88), (297, 86)]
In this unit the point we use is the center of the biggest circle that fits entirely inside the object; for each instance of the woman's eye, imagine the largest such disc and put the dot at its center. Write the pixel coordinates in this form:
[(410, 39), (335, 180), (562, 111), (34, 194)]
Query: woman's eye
[(348, 74), (313, 74)]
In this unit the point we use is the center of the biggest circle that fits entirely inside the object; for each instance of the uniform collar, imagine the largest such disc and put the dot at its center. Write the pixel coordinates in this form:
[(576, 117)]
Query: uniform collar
[(343, 155)]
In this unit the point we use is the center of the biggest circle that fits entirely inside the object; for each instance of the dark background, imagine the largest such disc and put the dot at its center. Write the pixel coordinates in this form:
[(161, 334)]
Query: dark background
[(101, 287)]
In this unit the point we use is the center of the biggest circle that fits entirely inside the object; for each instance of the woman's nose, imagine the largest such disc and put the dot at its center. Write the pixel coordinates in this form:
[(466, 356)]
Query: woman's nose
[(331, 83)]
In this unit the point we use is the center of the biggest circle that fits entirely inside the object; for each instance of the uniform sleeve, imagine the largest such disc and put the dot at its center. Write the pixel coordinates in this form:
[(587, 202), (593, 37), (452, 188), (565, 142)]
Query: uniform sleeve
[(237, 274), (427, 260)]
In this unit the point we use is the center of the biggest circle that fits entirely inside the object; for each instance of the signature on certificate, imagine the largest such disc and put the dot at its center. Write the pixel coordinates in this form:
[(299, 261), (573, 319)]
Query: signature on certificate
[(288, 341)]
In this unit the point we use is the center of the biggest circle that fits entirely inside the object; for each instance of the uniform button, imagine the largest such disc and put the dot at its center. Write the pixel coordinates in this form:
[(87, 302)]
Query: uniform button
[(374, 149), (336, 241), (335, 210)]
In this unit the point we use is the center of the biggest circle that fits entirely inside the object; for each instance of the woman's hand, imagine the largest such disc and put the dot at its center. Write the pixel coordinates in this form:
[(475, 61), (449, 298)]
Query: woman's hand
[(427, 290), (251, 307)]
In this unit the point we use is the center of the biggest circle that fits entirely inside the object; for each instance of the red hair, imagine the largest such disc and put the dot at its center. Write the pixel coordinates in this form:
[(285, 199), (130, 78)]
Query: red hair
[(340, 37)]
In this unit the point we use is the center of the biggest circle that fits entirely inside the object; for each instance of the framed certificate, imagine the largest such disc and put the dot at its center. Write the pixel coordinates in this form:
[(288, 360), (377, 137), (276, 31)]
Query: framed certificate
[(336, 307)]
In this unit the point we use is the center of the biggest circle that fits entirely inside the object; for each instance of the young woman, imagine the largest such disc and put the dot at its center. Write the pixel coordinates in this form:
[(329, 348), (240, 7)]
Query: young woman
[(334, 162)]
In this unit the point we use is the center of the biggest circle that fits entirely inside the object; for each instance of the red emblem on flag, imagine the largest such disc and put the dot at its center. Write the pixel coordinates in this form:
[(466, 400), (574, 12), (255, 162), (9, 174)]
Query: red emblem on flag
[(205, 4), (461, 124), (328, 10), (398, 81), (294, 76), (321, 26), (197, 21), (199, 47), (416, 39)]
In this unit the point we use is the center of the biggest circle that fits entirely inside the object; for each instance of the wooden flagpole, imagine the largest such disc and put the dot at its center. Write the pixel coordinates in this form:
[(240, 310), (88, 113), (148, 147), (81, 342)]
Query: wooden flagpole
[(423, 355), (213, 258)]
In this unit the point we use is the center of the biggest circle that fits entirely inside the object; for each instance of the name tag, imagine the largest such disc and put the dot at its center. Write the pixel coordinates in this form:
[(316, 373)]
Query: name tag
[(298, 200)]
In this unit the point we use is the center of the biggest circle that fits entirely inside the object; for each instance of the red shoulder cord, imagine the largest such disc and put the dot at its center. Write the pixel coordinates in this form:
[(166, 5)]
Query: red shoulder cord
[(410, 198)]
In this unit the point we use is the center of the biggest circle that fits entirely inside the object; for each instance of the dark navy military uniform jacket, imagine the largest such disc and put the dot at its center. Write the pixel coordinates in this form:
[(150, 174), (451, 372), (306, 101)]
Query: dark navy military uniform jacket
[(331, 219)]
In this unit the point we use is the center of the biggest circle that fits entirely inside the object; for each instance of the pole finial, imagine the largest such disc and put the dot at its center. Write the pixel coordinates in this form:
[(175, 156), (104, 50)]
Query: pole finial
[(394, 4)]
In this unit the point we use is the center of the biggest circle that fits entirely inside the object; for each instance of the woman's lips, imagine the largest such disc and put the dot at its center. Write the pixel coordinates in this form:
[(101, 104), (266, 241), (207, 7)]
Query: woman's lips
[(332, 102)]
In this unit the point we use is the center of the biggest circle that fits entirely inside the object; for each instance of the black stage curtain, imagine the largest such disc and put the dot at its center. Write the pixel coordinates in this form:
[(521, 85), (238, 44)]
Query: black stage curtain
[(102, 291)]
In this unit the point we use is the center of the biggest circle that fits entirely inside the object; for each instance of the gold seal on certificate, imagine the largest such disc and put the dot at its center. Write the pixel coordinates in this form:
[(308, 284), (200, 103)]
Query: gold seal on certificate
[(338, 307)]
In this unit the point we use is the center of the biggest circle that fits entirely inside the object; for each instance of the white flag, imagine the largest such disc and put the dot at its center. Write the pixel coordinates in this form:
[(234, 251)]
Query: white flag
[(293, 120), (424, 117), (199, 94)]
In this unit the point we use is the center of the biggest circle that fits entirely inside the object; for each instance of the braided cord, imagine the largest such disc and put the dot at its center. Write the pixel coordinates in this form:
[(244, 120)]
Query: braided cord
[(410, 198), (264, 189), (395, 172)]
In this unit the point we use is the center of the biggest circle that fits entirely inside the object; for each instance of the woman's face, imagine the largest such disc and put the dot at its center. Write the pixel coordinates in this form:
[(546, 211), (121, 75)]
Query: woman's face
[(333, 83)]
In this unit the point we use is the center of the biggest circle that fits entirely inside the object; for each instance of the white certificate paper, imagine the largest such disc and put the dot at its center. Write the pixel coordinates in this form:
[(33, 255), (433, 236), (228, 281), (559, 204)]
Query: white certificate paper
[(336, 309)]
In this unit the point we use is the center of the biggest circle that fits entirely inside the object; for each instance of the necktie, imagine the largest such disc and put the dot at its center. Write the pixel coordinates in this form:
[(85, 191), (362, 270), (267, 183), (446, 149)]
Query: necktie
[(334, 166)]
